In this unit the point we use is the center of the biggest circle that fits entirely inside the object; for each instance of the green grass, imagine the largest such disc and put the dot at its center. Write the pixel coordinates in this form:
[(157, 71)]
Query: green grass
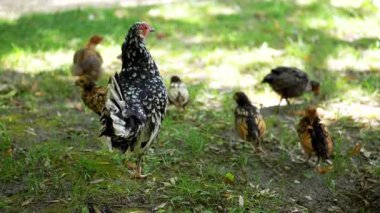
[(52, 160)]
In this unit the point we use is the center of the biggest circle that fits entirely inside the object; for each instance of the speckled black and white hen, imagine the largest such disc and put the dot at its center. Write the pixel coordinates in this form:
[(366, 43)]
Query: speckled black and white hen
[(290, 82), (178, 93), (137, 98)]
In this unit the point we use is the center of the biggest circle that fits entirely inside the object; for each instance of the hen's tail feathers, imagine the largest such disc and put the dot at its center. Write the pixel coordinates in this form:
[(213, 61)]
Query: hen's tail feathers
[(124, 122)]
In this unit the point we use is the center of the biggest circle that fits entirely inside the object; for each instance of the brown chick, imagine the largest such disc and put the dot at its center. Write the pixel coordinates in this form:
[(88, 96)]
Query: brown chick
[(93, 97), (290, 82), (88, 61), (249, 123), (314, 137)]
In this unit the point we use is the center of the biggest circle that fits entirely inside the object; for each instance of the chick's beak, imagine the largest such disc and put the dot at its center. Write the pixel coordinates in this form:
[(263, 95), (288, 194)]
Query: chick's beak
[(152, 30)]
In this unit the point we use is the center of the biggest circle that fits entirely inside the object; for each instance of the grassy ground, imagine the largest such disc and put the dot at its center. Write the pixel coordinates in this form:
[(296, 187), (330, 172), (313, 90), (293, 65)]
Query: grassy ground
[(51, 158)]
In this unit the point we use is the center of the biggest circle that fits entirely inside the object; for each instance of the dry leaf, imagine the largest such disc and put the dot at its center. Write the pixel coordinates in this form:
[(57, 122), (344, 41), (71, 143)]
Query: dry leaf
[(241, 201), (173, 180), (78, 106), (52, 201), (308, 197), (9, 152), (131, 165), (356, 150), (39, 94), (30, 131), (96, 209), (227, 195), (323, 170), (27, 202), (97, 181), (366, 153), (34, 87), (162, 205)]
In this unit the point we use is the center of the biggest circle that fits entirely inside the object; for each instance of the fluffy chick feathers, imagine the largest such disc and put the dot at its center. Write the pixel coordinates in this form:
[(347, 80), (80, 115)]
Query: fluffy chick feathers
[(178, 93), (88, 61), (94, 97), (314, 136), (249, 123)]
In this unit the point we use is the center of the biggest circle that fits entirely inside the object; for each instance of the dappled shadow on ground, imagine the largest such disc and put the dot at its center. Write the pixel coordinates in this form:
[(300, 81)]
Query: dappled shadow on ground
[(41, 101)]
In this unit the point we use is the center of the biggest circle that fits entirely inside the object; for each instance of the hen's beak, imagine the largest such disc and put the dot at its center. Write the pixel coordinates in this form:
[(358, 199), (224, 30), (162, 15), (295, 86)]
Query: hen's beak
[(152, 30)]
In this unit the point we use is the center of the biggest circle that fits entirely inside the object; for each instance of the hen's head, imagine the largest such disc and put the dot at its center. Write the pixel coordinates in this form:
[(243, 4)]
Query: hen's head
[(96, 39), (175, 79), (140, 29), (85, 82), (315, 87), (241, 99)]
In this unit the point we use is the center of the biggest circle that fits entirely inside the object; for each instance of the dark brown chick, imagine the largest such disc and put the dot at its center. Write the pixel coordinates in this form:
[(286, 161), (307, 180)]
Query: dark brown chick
[(93, 97), (314, 137), (178, 93), (249, 123), (290, 82), (88, 61)]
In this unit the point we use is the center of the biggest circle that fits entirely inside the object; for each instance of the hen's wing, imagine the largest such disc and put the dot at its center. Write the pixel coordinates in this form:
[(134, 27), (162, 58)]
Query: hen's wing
[(289, 78)]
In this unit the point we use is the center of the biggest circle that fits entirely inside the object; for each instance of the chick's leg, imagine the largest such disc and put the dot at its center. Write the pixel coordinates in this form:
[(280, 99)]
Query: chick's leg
[(258, 148), (308, 158), (317, 163)]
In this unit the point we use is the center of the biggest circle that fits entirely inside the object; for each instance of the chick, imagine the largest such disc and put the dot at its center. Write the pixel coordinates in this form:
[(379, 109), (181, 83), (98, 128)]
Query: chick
[(249, 123), (94, 97), (178, 93), (314, 137), (290, 82), (88, 61)]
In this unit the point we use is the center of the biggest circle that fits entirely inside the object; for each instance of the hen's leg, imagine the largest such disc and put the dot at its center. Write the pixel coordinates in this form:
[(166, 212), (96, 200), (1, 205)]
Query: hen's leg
[(278, 107), (109, 144), (287, 102), (138, 172)]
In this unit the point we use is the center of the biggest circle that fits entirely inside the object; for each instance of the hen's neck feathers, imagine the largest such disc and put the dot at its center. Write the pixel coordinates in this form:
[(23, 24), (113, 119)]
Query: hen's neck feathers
[(135, 54)]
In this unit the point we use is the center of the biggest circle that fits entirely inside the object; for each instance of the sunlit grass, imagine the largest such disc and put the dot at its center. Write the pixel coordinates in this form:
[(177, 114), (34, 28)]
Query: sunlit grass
[(348, 58)]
